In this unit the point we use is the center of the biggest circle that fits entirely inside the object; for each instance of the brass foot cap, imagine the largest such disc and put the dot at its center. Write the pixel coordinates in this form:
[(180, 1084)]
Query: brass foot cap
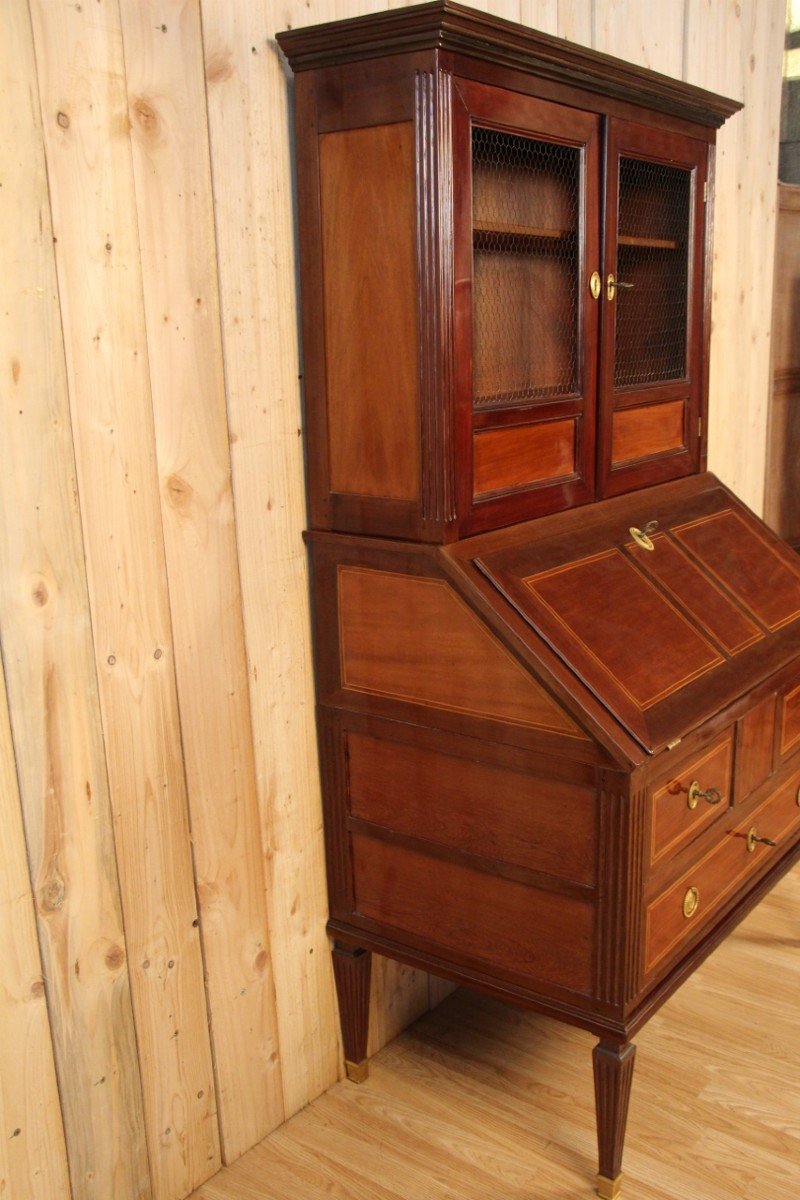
[(609, 1189), (357, 1072)]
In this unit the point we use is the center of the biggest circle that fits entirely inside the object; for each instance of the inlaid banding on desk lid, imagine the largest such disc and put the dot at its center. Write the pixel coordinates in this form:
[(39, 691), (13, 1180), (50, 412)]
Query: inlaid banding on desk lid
[(607, 635), (692, 588), (760, 575)]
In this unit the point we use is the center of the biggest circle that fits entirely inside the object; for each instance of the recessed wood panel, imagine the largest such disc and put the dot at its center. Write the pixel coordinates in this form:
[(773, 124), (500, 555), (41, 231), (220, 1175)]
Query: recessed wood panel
[(614, 635), (512, 926), (644, 432), (755, 740), (674, 823), (748, 566), (369, 244), (790, 720), (414, 639), (474, 806), (712, 608), (523, 454)]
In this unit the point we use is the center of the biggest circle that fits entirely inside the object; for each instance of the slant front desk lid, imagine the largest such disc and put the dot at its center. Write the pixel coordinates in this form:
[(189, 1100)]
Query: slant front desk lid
[(668, 603)]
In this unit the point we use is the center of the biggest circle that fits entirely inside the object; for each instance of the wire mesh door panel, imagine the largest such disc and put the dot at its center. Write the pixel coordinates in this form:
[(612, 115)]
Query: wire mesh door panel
[(652, 285), (651, 376), (527, 233), (526, 197)]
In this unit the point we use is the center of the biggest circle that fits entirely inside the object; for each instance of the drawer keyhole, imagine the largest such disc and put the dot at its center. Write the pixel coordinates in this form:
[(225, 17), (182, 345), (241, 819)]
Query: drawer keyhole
[(753, 840), (696, 794)]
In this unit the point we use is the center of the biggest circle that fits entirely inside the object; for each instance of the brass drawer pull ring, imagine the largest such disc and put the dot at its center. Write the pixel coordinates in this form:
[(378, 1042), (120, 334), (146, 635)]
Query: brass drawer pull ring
[(690, 902), (712, 795), (753, 839), (642, 536)]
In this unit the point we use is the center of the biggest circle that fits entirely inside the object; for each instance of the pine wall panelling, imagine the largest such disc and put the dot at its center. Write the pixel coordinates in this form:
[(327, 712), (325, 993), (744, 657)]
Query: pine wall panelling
[(166, 105), (81, 76), (50, 673), (153, 602)]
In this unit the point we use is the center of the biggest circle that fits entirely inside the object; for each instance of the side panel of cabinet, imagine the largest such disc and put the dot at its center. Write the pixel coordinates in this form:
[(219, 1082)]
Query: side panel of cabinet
[(526, 240), (483, 855), (652, 345), (370, 310), (357, 207)]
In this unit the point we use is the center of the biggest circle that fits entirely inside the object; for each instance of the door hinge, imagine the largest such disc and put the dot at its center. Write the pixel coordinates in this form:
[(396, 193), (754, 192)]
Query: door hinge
[(705, 192), (699, 427)]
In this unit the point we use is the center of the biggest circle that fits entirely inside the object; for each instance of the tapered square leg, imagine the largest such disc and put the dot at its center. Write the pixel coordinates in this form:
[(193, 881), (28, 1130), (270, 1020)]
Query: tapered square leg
[(613, 1075), (352, 970)]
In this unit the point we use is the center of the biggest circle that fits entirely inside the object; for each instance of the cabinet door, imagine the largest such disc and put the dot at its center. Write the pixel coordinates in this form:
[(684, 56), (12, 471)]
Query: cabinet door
[(526, 243), (651, 367)]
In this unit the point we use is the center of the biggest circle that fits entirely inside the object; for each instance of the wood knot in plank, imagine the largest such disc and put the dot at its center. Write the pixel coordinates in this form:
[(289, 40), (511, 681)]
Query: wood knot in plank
[(51, 896), (179, 492), (219, 66), (115, 957), (39, 593), (145, 116)]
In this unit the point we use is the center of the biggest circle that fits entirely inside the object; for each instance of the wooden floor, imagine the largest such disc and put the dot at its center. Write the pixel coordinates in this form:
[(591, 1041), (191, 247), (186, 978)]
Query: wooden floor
[(482, 1101)]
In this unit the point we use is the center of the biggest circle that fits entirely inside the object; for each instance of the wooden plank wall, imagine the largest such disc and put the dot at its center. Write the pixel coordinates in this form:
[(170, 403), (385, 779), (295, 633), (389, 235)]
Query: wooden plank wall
[(165, 989)]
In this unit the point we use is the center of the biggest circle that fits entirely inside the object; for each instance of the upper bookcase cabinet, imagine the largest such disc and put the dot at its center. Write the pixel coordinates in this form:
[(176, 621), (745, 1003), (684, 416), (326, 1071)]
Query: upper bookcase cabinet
[(504, 267)]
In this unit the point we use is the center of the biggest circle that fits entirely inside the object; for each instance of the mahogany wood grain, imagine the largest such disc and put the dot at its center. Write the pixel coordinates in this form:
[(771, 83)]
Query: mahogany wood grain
[(476, 806), (534, 933), (674, 823), (599, 635), (694, 591), (523, 454), (755, 738), (415, 639), (789, 721), (720, 873), (368, 242), (762, 578), (643, 432)]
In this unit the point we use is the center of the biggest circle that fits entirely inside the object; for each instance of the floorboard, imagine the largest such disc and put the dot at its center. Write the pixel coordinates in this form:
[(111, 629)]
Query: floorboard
[(482, 1101)]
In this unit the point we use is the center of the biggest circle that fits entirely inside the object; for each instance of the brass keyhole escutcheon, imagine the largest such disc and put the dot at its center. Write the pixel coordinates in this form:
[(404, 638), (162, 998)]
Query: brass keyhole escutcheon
[(754, 840), (595, 285), (642, 536), (690, 902), (696, 794)]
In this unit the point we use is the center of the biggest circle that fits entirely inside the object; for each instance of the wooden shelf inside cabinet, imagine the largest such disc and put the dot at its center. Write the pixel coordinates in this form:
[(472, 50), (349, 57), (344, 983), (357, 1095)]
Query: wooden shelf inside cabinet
[(649, 242), (484, 233)]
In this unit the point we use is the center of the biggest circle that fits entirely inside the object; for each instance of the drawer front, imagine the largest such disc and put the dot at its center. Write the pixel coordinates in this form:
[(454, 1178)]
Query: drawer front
[(481, 808), (676, 916), (691, 800)]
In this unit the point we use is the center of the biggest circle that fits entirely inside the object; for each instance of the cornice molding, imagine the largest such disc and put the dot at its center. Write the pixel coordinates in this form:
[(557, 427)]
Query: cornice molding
[(444, 25)]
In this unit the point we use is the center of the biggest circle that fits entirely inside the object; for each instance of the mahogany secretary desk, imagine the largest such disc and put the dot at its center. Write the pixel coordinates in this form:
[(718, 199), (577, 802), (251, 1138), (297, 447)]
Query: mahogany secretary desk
[(557, 662)]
